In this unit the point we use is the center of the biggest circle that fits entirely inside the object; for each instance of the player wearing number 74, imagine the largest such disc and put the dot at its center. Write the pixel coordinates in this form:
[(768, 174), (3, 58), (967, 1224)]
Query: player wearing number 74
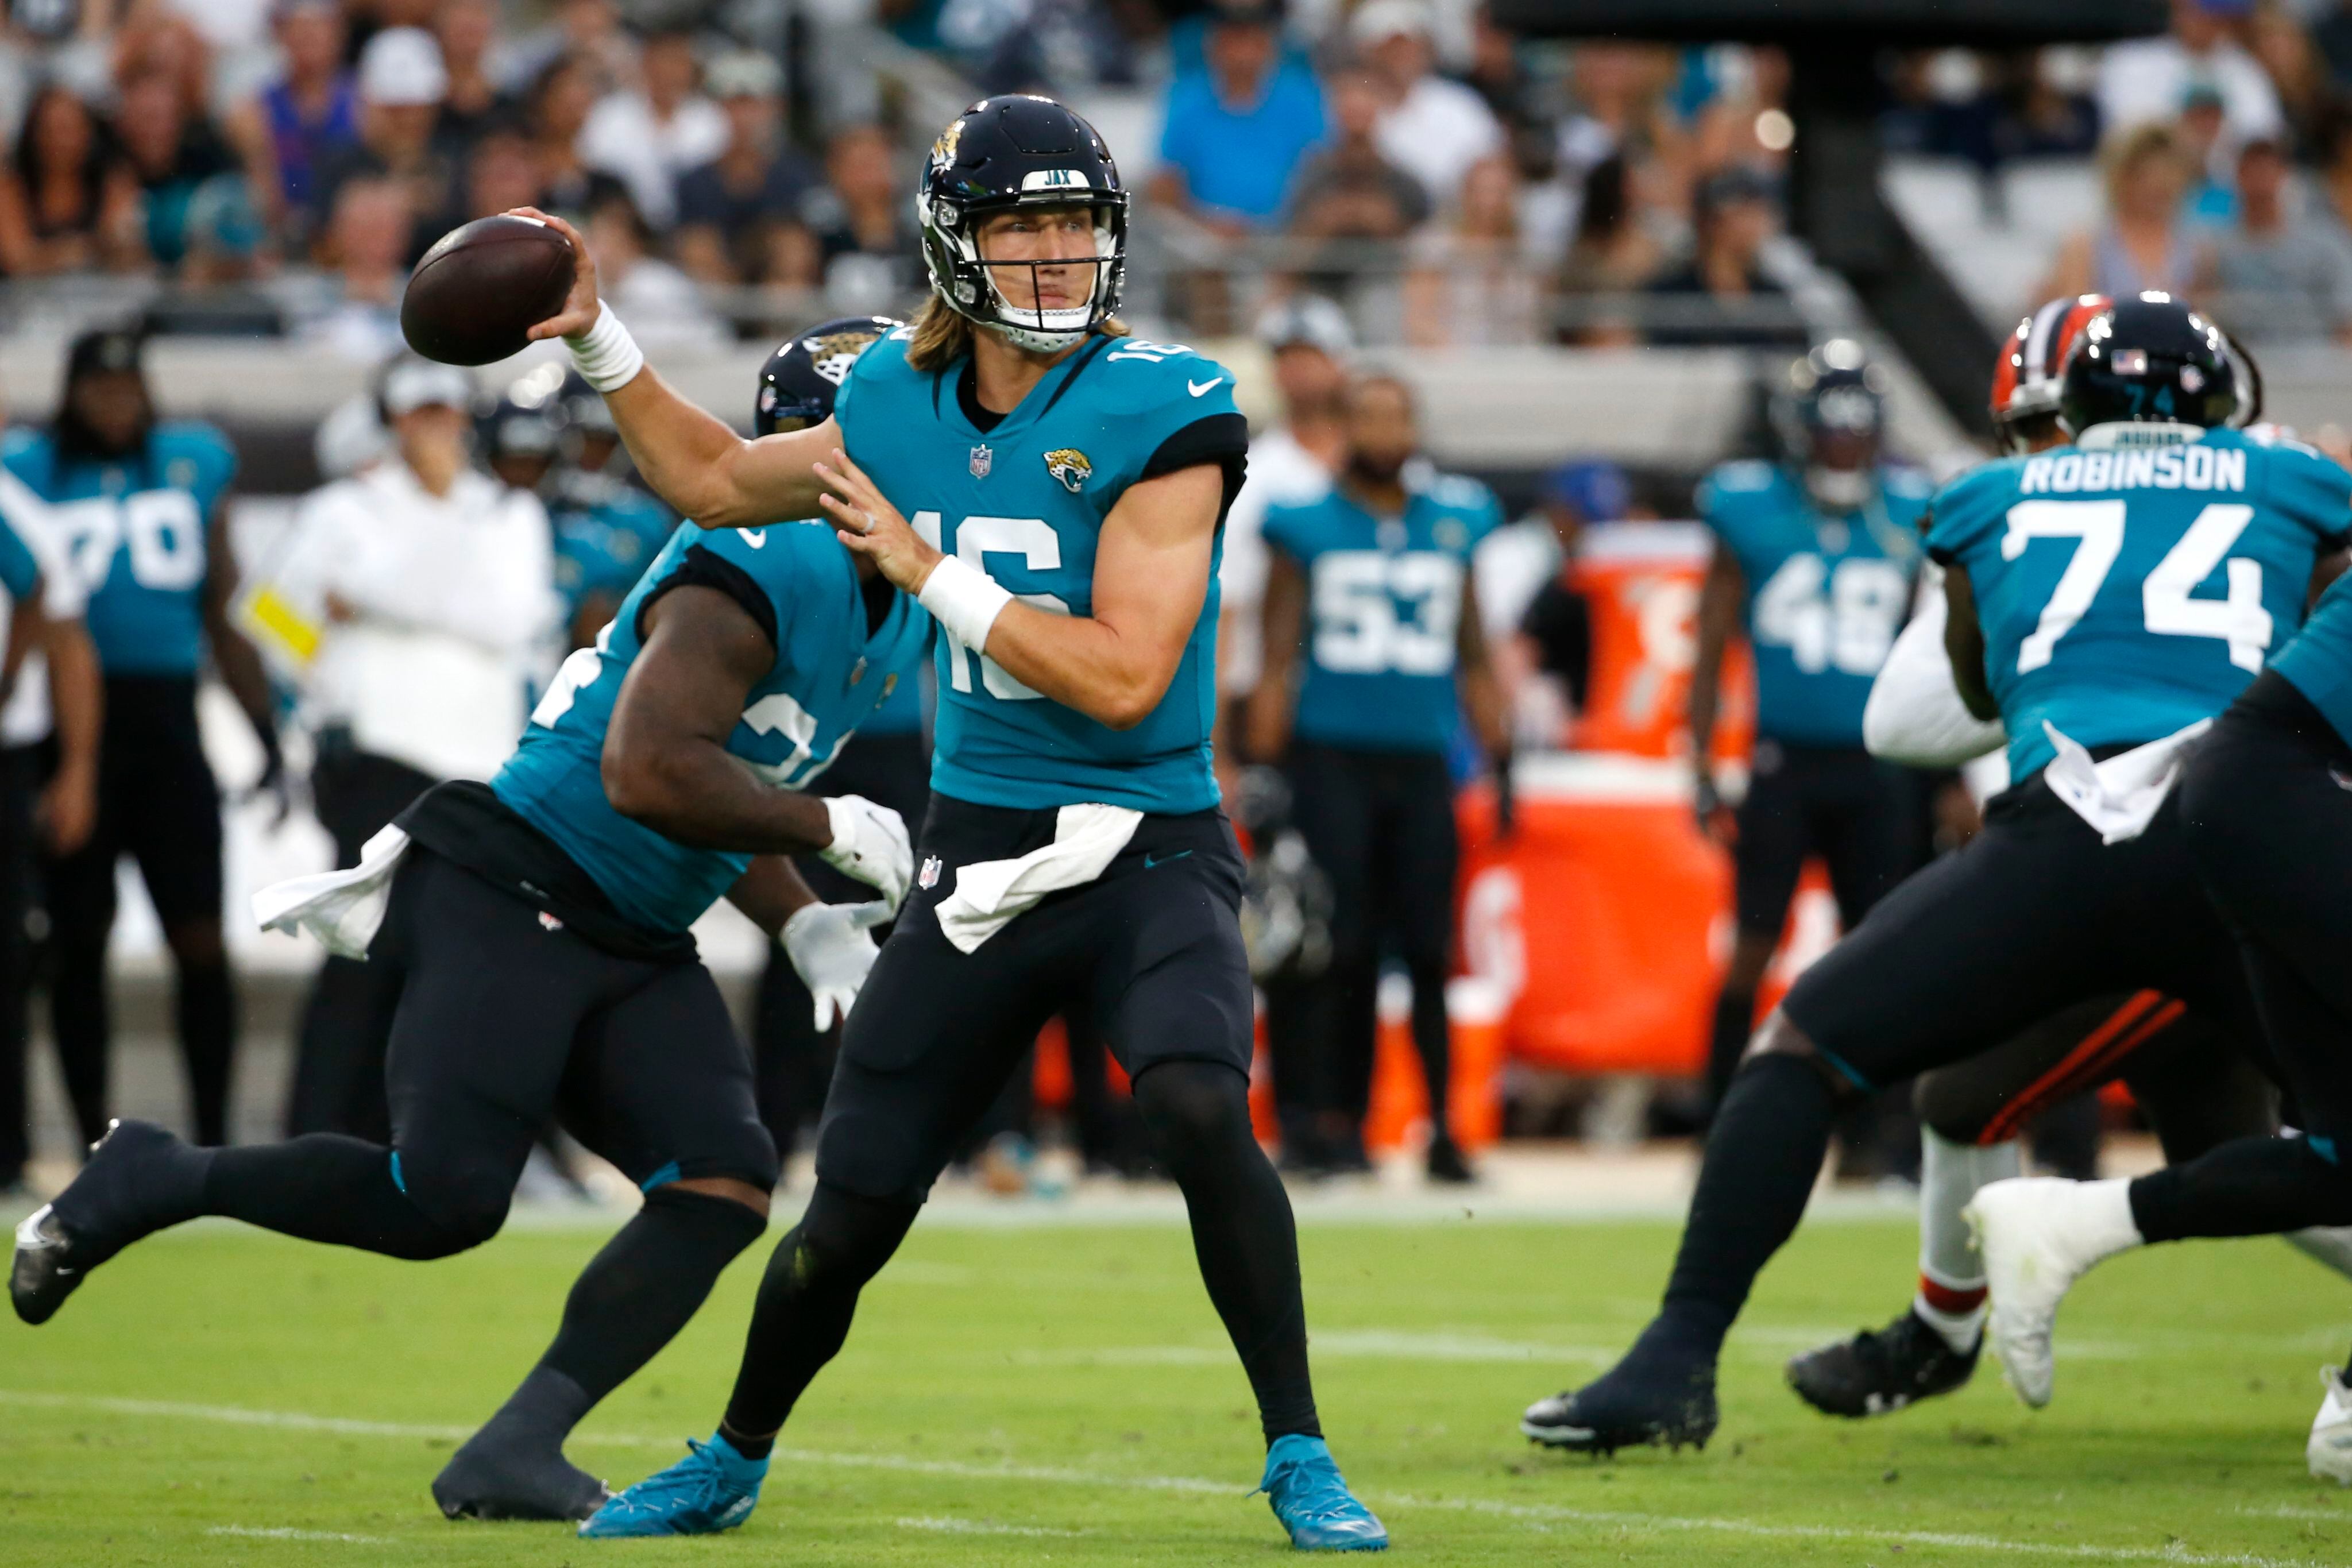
[(2107, 599)]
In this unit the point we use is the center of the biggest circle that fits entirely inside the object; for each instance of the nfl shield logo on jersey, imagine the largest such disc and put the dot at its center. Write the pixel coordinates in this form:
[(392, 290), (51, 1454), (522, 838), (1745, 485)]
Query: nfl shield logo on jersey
[(982, 460), (930, 876)]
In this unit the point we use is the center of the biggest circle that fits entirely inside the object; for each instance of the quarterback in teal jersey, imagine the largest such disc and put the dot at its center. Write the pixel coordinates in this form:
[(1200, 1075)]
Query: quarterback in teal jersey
[(1054, 489), (1815, 557), (2117, 622), (136, 504), (539, 930)]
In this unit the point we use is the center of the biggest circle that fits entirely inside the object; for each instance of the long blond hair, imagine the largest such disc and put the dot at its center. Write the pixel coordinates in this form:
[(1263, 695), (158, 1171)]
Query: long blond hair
[(943, 334)]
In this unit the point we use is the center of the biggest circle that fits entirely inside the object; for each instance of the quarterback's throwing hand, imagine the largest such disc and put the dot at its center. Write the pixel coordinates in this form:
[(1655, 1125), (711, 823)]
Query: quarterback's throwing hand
[(871, 527)]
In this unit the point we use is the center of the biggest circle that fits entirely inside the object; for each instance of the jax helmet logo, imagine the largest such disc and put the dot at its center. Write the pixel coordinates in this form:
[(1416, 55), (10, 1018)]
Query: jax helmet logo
[(1070, 465)]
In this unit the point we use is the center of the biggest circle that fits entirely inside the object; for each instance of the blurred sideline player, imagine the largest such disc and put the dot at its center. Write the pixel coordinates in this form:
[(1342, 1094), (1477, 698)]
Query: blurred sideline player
[(539, 926), (2196, 1087), (606, 529), (888, 762), (139, 506), (51, 701), (1815, 557), (1374, 649), (2103, 650), (1073, 852)]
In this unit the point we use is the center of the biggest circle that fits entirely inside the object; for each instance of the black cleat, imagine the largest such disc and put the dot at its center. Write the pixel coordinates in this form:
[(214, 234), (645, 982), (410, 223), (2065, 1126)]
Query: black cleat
[(1879, 1373), (1628, 1406), (1447, 1164), (481, 1483), (139, 1180)]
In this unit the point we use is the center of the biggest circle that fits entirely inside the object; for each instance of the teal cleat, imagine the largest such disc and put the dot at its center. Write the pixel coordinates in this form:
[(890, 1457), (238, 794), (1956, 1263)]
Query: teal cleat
[(712, 1489), (1308, 1496)]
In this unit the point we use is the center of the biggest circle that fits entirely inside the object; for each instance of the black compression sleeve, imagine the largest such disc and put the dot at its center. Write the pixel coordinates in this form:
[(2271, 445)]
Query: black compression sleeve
[(707, 569)]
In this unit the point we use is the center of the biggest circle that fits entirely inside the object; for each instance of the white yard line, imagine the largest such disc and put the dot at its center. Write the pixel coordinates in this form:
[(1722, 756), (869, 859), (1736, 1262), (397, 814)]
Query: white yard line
[(279, 1533), (1536, 1515), (981, 1527)]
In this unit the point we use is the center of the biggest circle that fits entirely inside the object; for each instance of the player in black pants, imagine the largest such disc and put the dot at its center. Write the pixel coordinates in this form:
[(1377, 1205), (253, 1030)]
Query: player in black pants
[(1373, 650)]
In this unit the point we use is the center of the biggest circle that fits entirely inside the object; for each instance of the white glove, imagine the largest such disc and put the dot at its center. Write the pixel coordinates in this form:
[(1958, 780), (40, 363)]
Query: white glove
[(831, 953), (869, 843)]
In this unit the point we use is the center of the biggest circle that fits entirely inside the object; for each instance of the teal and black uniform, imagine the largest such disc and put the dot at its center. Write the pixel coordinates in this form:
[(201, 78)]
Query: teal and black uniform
[(1376, 709), (2127, 588), (134, 528), (1150, 952), (606, 533), (1826, 593)]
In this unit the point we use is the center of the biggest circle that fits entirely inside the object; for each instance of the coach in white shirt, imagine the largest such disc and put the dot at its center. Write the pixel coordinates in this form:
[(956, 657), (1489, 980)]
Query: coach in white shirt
[(48, 779), (1431, 128), (438, 584)]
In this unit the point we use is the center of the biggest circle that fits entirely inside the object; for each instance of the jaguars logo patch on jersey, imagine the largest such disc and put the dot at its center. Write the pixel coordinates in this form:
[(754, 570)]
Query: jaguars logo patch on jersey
[(1070, 465)]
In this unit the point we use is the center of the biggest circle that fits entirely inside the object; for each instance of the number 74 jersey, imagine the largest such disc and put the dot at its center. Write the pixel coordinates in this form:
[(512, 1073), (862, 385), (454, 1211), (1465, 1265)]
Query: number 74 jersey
[(2134, 582)]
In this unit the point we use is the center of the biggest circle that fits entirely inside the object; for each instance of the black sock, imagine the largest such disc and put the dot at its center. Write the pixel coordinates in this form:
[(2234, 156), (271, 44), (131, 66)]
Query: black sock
[(2248, 1186), (326, 1187), (640, 1290), (1243, 1232), (207, 1020), (1734, 1020), (1761, 1161), (806, 1300), (1431, 1040)]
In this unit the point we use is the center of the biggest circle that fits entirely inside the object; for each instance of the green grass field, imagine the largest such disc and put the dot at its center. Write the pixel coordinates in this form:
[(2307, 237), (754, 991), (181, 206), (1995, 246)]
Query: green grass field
[(1061, 1392)]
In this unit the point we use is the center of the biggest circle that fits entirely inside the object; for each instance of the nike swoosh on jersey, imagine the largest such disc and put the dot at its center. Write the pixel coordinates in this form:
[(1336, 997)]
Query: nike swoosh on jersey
[(757, 538), (1198, 387)]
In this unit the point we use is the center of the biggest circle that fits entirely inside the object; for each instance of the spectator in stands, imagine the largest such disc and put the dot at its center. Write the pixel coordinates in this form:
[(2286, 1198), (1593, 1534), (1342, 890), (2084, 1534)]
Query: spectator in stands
[(366, 246), (308, 115), (1721, 296), (650, 134), (641, 286), (401, 83), (2291, 59), (68, 201), (1612, 257), (2284, 274), (866, 243), (1473, 283), (2212, 200), (1502, 80), (2331, 149), (438, 585), (2147, 78), (173, 155), (1236, 132), (476, 104), (561, 96), (1350, 193), (1431, 128), (2143, 244), (729, 209)]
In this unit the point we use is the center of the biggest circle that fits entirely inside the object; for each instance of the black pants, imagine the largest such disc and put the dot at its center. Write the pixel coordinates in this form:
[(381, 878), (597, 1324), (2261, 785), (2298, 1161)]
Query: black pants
[(22, 771), (792, 1059), (1381, 825), (2197, 1086), (1151, 952), (347, 1022), (158, 804)]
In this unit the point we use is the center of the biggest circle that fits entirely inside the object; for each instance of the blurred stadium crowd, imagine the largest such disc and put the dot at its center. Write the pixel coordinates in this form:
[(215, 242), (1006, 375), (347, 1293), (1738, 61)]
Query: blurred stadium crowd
[(742, 167)]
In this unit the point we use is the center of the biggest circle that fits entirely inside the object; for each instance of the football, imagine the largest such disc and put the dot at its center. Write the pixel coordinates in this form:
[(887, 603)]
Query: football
[(482, 287)]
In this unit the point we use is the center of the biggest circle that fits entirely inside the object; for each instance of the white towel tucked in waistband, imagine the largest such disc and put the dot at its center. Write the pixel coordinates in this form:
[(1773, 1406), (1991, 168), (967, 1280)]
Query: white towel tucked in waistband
[(2119, 797), (341, 908), (989, 894)]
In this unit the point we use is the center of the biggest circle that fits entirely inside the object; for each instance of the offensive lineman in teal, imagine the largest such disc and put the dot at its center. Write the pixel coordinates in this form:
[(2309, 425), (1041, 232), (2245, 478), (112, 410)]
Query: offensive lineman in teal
[(1815, 556), (539, 926), (1075, 479), (2106, 626)]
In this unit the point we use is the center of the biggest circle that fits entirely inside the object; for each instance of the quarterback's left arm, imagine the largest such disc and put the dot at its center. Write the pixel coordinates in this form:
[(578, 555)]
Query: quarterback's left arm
[(1151, 577), (239, 665)]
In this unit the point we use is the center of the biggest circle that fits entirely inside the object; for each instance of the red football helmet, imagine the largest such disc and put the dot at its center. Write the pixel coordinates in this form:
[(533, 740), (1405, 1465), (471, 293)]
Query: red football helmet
[(2025, 378)]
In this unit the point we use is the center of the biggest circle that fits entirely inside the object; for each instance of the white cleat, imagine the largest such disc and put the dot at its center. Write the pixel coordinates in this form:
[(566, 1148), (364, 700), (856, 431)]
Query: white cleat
[(2330, 1448), (2038, 1235)]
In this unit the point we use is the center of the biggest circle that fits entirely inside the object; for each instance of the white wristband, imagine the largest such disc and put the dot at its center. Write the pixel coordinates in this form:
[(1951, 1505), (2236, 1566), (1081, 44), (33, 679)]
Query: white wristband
[(606, 357), (965, 601)]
